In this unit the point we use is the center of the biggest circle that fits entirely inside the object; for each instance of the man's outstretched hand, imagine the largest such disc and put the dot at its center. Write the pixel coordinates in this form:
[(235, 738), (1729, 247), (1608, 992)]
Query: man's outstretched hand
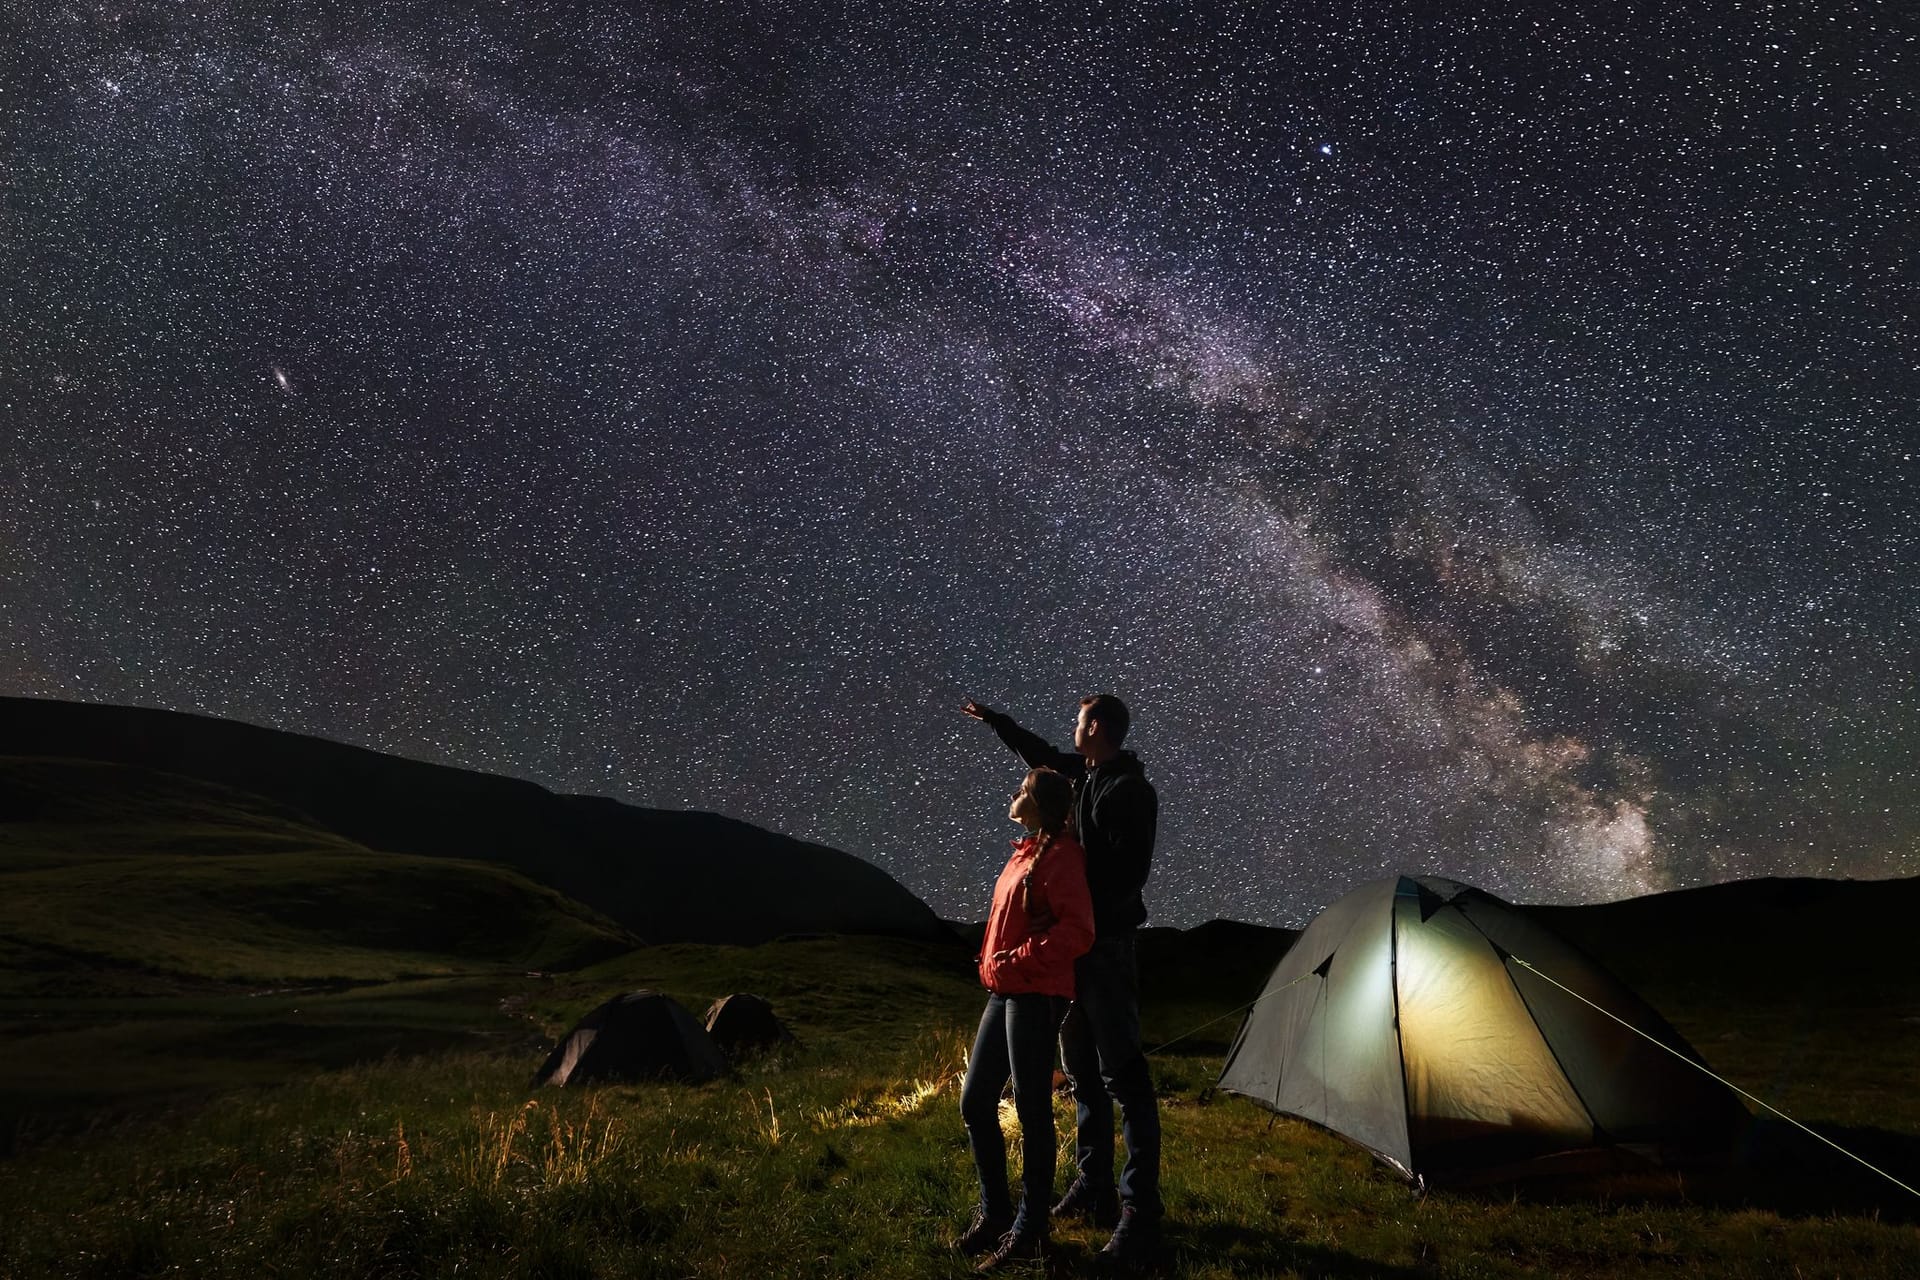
[(978, 710)]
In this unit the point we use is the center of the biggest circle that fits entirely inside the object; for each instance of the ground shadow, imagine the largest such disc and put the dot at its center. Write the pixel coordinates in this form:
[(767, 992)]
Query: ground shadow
[(1251, 1251), (1775, 1166), (61, 1108), (1786, 1170)]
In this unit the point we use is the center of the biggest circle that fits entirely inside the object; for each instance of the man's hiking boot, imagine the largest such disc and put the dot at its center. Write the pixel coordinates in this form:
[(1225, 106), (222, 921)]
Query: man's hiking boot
[(1101, 1208), (1133, 1246), (986, 1231), (1022, 1244)]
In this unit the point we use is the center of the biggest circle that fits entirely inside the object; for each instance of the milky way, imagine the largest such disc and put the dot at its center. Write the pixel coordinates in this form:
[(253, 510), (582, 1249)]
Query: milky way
[(1479, 445)]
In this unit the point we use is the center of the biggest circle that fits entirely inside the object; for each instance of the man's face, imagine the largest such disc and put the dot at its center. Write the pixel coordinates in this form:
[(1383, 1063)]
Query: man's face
[(1084, 730)]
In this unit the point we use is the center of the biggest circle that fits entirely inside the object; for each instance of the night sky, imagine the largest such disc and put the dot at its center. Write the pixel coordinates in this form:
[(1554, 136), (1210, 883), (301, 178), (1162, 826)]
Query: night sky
[(1479, 445)]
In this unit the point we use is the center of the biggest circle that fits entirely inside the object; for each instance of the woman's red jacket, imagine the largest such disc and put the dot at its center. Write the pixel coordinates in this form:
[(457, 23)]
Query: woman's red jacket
[(1042, 916)]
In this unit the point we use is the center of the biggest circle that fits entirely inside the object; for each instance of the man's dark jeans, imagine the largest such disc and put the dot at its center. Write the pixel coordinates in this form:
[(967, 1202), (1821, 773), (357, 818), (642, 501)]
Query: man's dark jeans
[(1100, 1048), (1015, 1039)]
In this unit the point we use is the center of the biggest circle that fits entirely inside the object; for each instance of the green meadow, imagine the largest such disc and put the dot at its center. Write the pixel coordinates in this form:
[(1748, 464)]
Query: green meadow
[(232, 1045)]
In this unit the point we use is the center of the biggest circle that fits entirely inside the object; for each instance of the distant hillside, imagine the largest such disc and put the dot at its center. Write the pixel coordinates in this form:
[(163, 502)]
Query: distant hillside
[(286, 918), (1848, 938), (56, 812), (119, 879), (665, 875)]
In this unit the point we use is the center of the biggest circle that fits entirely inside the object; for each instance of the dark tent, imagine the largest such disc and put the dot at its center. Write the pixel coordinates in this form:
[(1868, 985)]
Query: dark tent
[(1412, 1018), (639, 1036), (742, 1024)]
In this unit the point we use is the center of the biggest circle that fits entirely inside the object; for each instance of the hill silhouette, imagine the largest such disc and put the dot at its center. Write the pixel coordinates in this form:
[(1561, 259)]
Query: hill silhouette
[(120, 879), (1845, 939), (667, 876)]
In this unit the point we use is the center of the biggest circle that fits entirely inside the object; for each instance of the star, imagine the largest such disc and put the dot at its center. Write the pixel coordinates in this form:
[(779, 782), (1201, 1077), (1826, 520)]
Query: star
[(706, 421)]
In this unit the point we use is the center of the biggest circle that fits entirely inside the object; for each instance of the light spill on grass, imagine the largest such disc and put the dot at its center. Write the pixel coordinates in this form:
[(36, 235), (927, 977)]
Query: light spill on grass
[(941, 1069)]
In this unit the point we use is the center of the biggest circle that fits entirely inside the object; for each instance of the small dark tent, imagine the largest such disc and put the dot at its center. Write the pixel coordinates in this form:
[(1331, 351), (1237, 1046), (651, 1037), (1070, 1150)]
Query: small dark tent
[(1405, 1020), (742, 1023), (639, 1036)]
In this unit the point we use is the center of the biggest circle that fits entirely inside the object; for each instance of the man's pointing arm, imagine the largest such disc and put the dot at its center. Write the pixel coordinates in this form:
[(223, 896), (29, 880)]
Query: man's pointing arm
[(1029, 746)]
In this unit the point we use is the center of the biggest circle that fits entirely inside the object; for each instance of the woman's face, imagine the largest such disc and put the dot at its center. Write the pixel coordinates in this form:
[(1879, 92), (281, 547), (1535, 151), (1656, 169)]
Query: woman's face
[(1024, 810)]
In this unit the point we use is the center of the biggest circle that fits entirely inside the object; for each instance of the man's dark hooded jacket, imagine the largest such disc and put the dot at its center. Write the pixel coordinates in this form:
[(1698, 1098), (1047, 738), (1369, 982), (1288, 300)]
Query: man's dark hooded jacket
[(1116, 813)]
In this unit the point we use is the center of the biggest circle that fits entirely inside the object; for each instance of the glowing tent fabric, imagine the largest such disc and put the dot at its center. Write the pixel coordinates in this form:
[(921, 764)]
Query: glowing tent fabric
[(1402, 1019)]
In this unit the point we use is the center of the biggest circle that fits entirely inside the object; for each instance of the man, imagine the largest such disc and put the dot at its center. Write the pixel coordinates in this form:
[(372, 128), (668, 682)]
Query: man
[(1116, 813)]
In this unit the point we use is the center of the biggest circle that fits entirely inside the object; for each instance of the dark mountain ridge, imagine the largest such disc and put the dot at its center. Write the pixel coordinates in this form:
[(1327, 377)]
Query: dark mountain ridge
[(1847, 938), (668, 876)]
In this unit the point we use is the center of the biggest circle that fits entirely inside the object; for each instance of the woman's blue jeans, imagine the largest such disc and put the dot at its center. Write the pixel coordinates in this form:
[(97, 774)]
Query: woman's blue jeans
[(1015, 1040)]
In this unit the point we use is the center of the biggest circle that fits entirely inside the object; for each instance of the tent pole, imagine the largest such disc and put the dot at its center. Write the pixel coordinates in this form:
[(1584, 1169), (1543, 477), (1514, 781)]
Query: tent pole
[(1393, 981)]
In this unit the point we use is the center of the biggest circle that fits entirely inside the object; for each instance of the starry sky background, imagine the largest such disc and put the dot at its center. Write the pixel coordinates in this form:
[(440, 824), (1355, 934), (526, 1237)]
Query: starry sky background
[(1479, 444)]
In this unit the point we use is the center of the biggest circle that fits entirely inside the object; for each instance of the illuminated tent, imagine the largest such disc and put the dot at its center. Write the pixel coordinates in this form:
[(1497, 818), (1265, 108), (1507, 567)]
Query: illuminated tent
[(639, 1036), (1405, 1019)]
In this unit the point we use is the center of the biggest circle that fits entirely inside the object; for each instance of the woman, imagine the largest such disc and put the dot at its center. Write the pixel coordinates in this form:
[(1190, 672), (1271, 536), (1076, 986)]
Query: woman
[(1041, 922)]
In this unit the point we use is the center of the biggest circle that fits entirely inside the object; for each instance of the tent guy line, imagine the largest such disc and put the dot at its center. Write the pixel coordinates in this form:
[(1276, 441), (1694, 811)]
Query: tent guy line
[(1160, 1048), (1722, 1079)]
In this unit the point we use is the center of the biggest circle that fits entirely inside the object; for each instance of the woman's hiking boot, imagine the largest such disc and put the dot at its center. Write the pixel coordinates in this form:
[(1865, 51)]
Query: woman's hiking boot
[(1026, 1242), (1133, 1246), (989, 1226), (1101, 1208)]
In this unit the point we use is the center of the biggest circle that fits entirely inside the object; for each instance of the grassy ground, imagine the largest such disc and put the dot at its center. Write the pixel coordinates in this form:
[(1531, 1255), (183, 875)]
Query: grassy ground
[(845, 1155), (232, 1044)]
